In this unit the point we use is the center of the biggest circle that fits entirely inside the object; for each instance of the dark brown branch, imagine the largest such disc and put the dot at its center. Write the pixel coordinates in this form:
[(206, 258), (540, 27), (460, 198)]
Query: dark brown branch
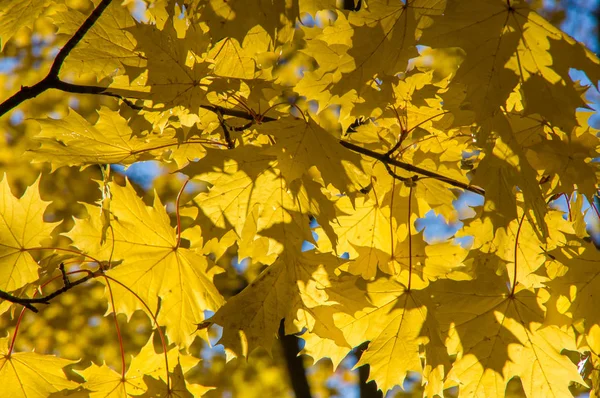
[(406, 180), (294, 363), (226, 132), (76, 38), (409, 167), (66, 281), (83, 89), (52, 80), (368, 389), (28, 302), (384, 158), (235, 112)]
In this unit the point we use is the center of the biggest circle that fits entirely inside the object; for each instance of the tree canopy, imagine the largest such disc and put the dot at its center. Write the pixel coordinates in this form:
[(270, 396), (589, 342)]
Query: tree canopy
[(301, 145)]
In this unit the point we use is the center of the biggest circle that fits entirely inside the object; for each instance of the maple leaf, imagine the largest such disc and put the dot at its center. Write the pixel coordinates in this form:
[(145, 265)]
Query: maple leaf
[(22, 228), (506, 43), (504, 170), (305, 147), (575, 269), (153, 265), (288, 289), (397, 325), (175, 68), (324, 341), (234, 180), (178, 388), (106, 48), (251, 183), (75, 141), (102, 381), (383, 39), (231, 18), (231, 60), (403, 105), (368, 233), (29, 374), (497, 336), (16, 14), (571, 161)]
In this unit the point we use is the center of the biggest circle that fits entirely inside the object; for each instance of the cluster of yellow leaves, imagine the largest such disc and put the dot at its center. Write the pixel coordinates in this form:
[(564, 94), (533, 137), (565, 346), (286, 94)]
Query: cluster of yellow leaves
[(361, 121)]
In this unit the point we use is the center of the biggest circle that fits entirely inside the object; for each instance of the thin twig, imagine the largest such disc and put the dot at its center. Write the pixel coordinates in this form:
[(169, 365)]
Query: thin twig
[(398, 177), (409, 167), (226, 132), (28, 302), (234, 112), (66, 281)]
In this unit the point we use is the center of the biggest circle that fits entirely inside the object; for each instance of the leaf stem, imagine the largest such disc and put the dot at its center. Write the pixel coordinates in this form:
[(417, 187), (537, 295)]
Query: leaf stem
[(226, 130), (409, 239), (514, 285), (234, 112), (191, 141), (177, 213), (112, 302), (160, 333), (595, 208), (568, 199), (64, 250), (391, 218)]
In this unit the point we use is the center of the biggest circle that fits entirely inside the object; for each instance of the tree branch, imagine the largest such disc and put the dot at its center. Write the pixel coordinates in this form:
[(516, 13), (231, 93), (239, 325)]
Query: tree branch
[(384, 158), (52, 80), (226, 132), (294, 363), (76, 38), (234, 112), (68, 285), (409, 167), (368, 389)]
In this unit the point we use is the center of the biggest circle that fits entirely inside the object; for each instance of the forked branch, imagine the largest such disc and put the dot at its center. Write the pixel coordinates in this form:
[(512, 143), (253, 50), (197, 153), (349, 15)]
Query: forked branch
[(382, 157), (28, 302), (52, 81)]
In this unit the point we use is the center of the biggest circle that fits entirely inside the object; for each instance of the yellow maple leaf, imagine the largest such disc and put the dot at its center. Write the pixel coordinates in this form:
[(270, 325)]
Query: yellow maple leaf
[(176, 72), (235, 179), (153, 265), (576, 268), (73, 141), (325, 340), (250, 183), (106, 48), (231, 60), (227, 18), (504, 170), (102, 381), (290, 288), (497, 336), (32, 375), (178, 387), (507, 43), (368, 233), (384, 38), (570, 160), (398, 325), (22, 228), (307, 148), (18, 13)]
